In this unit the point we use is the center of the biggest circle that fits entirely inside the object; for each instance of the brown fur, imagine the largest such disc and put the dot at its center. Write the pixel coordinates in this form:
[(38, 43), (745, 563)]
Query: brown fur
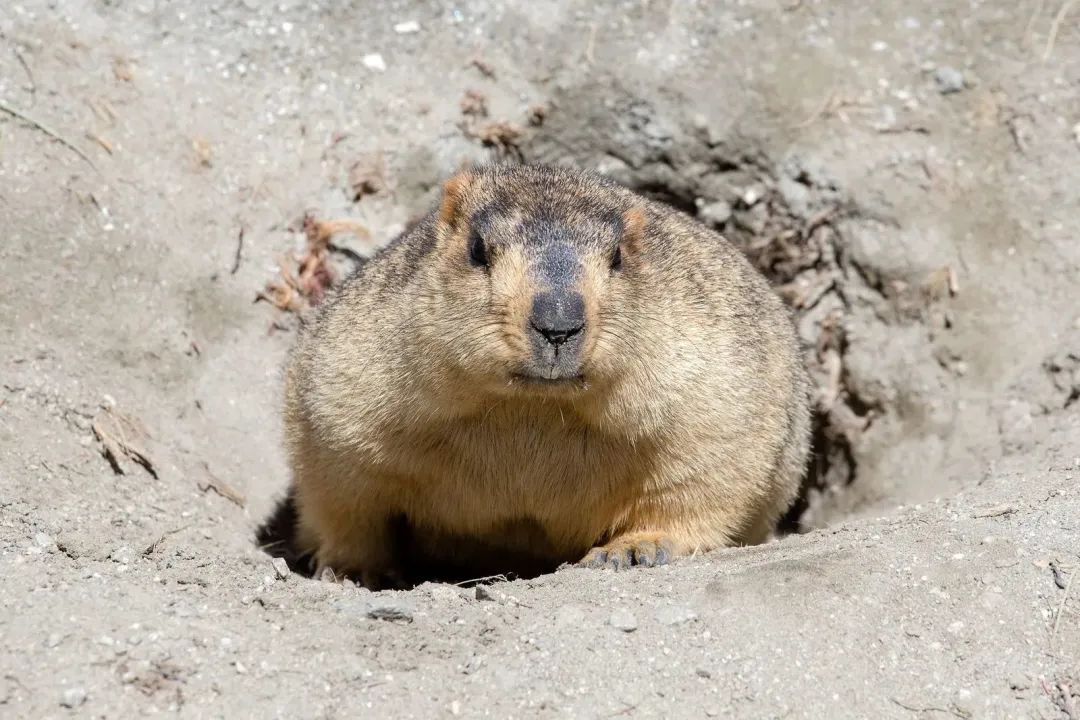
[(687, 431)]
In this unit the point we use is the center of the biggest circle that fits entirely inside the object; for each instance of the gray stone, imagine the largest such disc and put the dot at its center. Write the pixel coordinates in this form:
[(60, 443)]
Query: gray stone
[(675, 615), (715, 213), (569, 616), (122, 555), (389, 609), (949, 80), (73, 697), (281, 568), (623, 619), (45, 542)]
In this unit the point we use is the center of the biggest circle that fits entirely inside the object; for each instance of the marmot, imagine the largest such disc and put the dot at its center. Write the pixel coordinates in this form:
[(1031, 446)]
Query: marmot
[(548, 368)]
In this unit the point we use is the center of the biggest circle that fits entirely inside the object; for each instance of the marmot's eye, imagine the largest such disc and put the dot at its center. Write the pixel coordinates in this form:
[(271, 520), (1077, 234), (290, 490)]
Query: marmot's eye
[(478, 255), (616, 258)]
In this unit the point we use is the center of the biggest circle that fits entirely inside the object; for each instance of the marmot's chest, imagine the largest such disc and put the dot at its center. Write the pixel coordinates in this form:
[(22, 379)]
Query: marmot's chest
[(521, 457), (563, 482)]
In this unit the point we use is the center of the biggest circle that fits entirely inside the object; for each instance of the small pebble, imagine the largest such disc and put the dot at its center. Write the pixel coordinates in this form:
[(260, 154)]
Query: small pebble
[(751, 195), (716, 213), (963, 704), (623, 619), (406, 28), (281, 568), (675, 615), (1019, 681), (488, 592), (390, 610), (43, 541), (122, 555), (374, 61), (473, 664), (73, 697), (445, 594), (569, 616), (949, 80)]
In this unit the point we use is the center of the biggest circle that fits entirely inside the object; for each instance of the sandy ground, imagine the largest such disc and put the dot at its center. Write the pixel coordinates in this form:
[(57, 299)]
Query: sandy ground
[(923, 157)]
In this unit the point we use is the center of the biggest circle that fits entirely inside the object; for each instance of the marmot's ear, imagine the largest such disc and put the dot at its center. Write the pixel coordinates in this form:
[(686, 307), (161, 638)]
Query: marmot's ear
[(454, 191), (633, 222)]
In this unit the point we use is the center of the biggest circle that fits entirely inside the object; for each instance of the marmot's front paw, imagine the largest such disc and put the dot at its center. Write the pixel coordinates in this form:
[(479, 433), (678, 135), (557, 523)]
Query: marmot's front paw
[(372, 579), (646, 549)]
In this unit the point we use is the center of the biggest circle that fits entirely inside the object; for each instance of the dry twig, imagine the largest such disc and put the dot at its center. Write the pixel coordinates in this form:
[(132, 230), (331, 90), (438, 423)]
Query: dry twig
[(996, 511), (115, 433), (1061, 608), (486, 69), (239, 251), (105, 144), (29, 72), (36, 124), (222, 488), (1055, 27)]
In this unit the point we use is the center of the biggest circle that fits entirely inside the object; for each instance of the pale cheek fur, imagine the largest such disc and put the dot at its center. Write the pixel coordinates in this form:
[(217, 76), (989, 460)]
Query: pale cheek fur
[(594, 283), (511, 293)]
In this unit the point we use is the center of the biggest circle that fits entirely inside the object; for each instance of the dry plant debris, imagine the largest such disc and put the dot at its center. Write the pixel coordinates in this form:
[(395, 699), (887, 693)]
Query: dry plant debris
[(303, 279), (222, 488), (202, 151), (121, 69), (120, 438), (105, 144), (501, 135), (474, 103), (486, 69), (538, 114), (368, 176)]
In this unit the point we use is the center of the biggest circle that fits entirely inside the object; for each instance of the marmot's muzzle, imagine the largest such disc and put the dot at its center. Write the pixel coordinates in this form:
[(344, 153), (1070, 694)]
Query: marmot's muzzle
[(556, 333)]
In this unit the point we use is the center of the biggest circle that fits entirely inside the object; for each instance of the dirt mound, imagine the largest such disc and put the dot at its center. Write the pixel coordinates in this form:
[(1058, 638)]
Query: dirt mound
[(903, 172)]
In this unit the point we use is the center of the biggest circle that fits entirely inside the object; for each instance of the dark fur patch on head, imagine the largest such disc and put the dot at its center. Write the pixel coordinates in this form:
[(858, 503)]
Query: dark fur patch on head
[(543, 205)]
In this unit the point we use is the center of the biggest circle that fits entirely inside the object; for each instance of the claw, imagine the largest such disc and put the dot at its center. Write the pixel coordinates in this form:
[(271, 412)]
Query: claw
[(596, 558), (645, 550), (645, 555)]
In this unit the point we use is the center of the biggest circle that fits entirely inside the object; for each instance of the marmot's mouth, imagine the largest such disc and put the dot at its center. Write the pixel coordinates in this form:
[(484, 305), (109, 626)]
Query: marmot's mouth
[(570, 381)]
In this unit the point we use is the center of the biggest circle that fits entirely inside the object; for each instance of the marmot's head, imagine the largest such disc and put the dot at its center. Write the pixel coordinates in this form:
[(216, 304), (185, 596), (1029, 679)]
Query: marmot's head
[(537, 269)]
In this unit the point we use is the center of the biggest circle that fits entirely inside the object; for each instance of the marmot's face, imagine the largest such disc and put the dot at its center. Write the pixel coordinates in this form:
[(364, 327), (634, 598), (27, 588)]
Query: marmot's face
[(535, 280)]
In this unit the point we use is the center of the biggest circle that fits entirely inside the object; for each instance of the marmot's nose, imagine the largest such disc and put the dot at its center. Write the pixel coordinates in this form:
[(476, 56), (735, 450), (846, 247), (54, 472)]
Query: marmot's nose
[(558, 316)]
